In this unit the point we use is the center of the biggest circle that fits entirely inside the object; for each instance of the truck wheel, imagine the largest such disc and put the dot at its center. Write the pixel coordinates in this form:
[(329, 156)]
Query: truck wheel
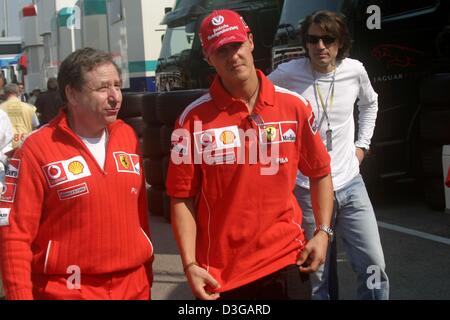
[(153, 168), (152, 138), (431, 157), (137, 124), (434, 125), (434, 193), (149, 109), (435, 93), (171, 104), (132, 103)]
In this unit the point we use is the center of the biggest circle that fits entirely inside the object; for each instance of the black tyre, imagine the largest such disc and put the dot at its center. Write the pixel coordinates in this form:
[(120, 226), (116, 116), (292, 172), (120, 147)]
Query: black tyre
[(435, 91), (154, 171), (141, 145), (149, 109), (166, 206), (165, 166), (435, 126), (171, 104), (434, 193), (166, 134), (155, 200), (132, 103), (152, 141), (137, 123), (431, 157)]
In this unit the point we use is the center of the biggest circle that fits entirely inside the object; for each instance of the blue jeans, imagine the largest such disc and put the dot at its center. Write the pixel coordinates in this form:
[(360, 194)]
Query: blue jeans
[(354, 221)]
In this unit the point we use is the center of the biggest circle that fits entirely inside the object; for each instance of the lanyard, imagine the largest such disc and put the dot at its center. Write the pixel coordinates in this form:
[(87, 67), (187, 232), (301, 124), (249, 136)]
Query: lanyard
[(328, 103)]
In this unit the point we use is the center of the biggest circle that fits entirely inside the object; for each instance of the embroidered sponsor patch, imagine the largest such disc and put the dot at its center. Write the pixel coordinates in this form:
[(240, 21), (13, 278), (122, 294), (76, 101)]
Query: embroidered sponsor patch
[(13, 168), (8, 194), (4, 216), (64, 171), (217, 139), (219, 158), (288, 131), (73, 192), (278, 132), (126, 162)]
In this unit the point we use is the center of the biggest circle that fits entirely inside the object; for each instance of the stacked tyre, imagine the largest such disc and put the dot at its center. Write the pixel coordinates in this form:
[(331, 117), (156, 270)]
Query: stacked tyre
[(434, 133), (139, 111), (160, 112)]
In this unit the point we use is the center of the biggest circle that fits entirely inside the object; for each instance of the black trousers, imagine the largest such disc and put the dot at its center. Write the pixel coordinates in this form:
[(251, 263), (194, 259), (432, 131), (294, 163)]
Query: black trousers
[(285, 284)]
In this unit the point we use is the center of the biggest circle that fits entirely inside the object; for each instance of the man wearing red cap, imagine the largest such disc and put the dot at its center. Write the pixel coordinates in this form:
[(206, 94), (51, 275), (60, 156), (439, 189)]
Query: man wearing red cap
[(234, 214)]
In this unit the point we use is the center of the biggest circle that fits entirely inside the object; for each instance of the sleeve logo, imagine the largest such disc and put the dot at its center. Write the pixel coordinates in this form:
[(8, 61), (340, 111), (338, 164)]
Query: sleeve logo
[(4, 216), (61, 172), (13, 168), (8, 194)]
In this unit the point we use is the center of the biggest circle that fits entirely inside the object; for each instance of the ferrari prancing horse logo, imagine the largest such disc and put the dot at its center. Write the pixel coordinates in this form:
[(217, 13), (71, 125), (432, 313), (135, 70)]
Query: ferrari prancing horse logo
[(124, 160)]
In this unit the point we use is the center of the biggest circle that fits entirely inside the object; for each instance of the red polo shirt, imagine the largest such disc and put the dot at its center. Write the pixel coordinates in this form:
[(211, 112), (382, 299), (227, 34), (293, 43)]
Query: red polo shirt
[(248, 220)]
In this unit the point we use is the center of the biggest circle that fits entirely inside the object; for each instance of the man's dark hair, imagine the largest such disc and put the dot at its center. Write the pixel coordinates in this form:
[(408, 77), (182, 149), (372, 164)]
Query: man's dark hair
[(52, 84), (72, 69), (334, 25)]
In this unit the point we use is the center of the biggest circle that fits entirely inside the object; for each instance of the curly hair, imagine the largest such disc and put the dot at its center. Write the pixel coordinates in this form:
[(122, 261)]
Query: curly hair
[(72, 69), (334, 25)]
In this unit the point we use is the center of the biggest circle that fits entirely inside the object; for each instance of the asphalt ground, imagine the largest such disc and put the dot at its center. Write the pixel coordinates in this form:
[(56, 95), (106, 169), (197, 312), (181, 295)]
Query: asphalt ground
[(415, 239)]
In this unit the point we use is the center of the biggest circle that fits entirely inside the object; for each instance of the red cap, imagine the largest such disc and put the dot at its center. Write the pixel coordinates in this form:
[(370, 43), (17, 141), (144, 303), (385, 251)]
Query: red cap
[(221, 27)]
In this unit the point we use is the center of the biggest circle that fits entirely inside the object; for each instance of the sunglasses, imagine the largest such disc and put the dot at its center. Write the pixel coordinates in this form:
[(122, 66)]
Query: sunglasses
[(325, 39)]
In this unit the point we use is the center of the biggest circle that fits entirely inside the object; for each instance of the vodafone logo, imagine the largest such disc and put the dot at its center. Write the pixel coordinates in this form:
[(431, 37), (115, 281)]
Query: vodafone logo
[(54, 172), (217, 21)]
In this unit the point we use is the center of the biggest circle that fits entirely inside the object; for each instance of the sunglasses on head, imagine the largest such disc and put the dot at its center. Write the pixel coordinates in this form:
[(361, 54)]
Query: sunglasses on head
[(315, 39)]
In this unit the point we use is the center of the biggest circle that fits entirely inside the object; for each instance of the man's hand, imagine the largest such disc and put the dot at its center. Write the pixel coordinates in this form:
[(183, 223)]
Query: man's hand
[(360, 154), (199, 279), (314, 253)]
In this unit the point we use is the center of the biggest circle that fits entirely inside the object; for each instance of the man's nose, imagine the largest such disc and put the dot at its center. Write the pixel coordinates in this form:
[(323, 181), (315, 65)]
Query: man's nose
[(115, 92)]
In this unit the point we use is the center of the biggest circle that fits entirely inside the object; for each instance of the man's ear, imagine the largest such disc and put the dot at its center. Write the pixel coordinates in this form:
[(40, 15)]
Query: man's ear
[(71, 95), (206, 58), (250, 40)]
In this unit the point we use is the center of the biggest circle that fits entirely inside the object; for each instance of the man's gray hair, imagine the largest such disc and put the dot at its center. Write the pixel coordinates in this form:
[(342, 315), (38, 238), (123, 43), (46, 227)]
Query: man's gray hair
[(11, 88)]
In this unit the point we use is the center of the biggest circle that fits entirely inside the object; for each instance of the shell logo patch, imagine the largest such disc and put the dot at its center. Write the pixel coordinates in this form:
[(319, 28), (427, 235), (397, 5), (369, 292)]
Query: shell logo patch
[(76, 168), (126, 162), (215, 139), (61, 172), (227, 137)]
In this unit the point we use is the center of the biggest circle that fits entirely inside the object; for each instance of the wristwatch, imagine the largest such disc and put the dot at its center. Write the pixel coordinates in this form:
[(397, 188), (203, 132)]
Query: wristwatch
[(327, 230)]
